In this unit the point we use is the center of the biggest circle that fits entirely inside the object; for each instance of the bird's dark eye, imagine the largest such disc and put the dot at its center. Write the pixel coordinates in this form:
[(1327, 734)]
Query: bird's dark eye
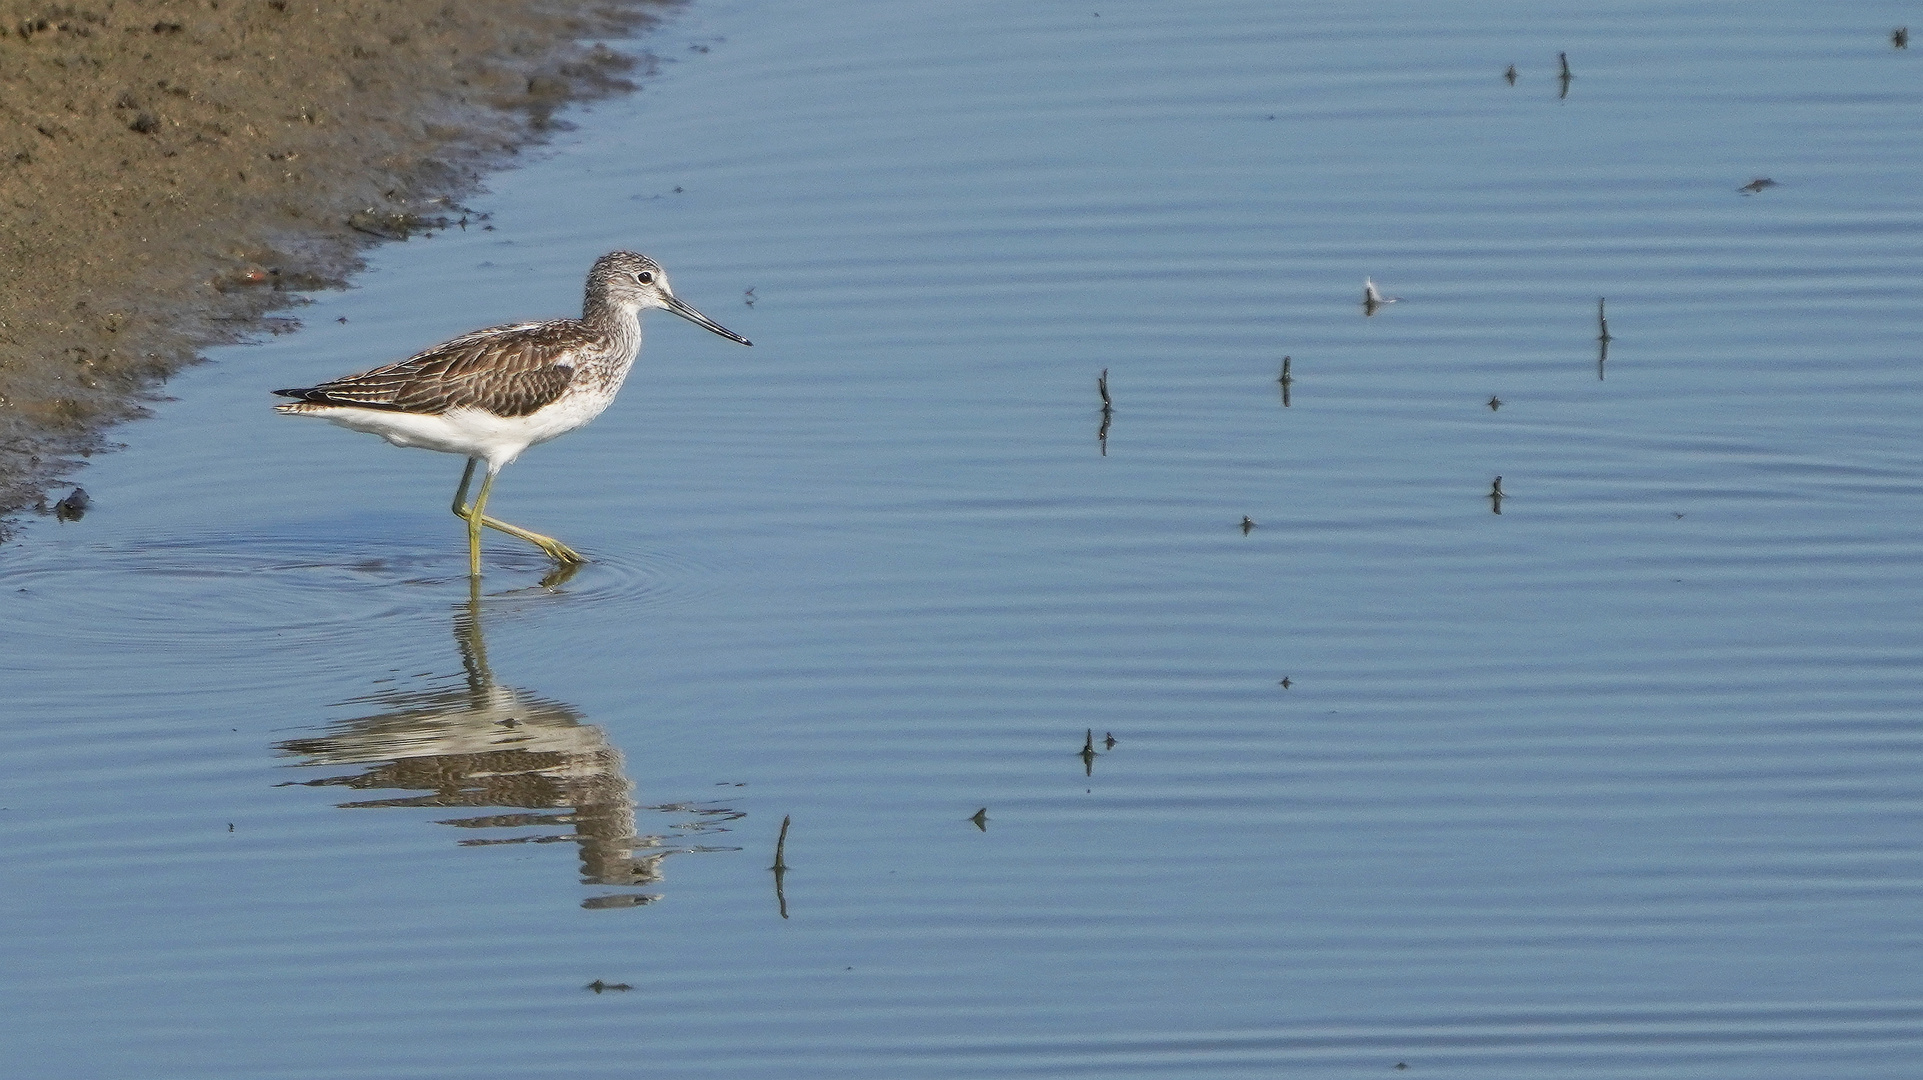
[(645, 277)]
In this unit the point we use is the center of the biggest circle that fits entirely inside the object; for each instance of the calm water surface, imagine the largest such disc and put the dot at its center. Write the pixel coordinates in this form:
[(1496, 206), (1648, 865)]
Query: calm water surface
[(1625, 780)]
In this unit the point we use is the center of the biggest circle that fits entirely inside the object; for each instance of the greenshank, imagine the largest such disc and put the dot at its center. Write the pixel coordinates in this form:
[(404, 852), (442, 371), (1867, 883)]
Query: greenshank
[(493, 393)]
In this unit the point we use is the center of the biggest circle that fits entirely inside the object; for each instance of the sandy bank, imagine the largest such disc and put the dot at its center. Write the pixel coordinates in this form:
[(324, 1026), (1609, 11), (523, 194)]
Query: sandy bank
[(171, 170)]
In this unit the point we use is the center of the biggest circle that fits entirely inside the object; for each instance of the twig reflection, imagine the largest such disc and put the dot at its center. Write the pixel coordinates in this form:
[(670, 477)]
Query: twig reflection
[(780, 867)]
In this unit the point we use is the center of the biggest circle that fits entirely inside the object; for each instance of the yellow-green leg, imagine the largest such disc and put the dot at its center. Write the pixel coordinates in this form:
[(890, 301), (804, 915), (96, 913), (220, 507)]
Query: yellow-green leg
[(475, 518)]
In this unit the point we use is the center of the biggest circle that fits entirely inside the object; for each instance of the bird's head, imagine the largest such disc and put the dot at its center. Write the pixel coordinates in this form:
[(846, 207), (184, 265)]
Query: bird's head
[(633, 283)]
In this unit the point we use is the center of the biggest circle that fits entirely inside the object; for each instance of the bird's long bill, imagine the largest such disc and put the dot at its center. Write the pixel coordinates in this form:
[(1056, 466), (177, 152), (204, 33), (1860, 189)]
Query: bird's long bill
[(695, 317)]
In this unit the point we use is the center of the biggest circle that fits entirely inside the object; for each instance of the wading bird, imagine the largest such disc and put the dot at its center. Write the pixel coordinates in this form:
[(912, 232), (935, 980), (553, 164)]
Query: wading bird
[(493, 393)]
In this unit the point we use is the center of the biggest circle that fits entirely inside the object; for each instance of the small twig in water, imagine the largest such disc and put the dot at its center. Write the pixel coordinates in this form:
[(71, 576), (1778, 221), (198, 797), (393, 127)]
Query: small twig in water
[(1108, 411)]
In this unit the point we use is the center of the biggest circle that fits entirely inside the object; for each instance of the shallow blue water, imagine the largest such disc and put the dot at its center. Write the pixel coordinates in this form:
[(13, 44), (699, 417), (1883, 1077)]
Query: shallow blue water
[(1623, 781)]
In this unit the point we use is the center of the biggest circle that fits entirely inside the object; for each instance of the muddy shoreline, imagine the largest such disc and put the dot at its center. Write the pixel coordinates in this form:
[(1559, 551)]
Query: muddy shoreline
[(174, 171)]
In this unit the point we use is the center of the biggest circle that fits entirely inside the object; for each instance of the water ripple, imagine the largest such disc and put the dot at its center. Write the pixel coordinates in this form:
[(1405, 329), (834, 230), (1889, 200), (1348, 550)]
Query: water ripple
[(305, 590)]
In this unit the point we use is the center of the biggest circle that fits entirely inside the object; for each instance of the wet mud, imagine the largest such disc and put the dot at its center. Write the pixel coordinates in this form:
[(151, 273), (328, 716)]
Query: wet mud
[(173, 171)]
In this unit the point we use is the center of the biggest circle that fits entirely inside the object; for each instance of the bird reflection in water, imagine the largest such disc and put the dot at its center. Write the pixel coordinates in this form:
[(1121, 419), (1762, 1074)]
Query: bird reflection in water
[(482, 744)]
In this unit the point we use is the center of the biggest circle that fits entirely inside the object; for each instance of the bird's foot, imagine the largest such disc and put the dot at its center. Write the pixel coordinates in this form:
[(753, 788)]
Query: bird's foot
[(563, 554)]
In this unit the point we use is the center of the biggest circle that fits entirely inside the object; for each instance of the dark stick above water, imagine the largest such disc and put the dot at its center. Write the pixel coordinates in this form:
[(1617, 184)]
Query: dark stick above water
[(781, 844), (1108, 410)]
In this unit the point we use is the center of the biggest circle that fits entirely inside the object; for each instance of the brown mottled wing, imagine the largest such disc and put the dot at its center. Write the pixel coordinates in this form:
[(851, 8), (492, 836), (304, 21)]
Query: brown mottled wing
[(505, 370)]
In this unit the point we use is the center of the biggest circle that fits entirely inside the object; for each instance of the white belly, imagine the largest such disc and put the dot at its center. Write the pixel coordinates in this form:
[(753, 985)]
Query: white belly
[(468, 432)]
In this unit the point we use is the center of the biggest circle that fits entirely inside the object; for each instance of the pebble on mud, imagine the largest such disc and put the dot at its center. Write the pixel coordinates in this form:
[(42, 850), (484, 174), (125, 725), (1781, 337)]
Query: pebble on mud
[(73, 507)]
